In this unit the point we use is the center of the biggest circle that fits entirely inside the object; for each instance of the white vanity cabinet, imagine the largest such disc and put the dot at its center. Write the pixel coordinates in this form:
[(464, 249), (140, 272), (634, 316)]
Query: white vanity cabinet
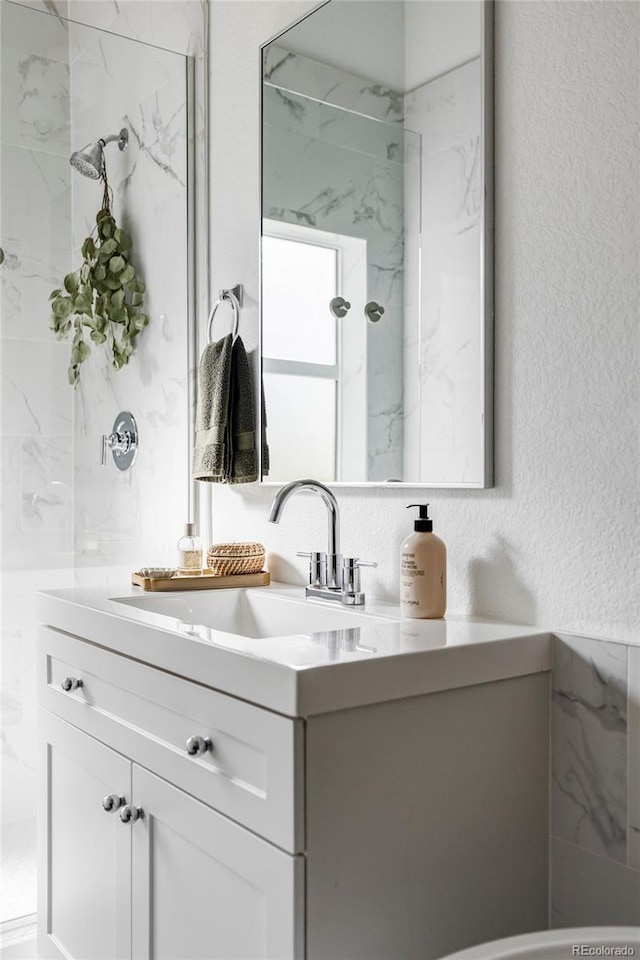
[(178, 880), (394, 829), (84, 866)]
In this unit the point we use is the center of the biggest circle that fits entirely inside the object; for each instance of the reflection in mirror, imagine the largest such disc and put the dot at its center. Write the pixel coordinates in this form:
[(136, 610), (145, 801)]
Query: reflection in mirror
[(375, 263)]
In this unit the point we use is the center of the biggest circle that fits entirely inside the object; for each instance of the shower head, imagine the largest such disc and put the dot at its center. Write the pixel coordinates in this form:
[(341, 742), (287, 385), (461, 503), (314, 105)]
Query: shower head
[(90, 160)]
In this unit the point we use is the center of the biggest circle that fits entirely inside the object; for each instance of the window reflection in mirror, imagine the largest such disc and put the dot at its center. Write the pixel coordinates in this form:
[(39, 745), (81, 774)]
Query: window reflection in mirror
[(374, 149)]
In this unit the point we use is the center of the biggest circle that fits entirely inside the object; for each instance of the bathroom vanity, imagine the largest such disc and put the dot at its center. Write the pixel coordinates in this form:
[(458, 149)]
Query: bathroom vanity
[(251, 774)]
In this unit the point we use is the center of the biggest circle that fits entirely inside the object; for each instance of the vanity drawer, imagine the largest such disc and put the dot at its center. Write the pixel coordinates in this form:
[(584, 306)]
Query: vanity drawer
[(249, 772)]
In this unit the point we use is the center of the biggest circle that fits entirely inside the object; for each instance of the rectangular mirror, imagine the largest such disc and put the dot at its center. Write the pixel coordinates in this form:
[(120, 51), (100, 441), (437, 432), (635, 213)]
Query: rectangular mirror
[(377, 224)]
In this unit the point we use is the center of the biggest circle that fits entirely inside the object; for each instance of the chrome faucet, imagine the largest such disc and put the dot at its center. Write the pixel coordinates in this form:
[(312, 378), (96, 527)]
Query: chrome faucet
[(331, 577)]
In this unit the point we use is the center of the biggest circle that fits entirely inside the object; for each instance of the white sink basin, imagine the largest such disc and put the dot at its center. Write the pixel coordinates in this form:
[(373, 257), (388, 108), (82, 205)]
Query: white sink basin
[(251, 613)]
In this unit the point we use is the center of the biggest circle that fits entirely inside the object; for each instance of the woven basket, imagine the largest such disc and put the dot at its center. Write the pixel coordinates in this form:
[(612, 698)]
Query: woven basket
[(228, 559)]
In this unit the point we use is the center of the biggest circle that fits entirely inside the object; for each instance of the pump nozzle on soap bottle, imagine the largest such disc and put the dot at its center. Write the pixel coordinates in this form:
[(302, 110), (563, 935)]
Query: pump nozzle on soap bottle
[(423, 570)]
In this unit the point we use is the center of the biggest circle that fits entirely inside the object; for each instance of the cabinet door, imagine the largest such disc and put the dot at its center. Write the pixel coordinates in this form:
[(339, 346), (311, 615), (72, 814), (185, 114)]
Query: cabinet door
[(84, 858), (205, 888)]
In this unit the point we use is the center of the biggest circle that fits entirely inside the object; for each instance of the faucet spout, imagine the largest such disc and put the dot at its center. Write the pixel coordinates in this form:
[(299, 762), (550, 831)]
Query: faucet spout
[(333, 516)]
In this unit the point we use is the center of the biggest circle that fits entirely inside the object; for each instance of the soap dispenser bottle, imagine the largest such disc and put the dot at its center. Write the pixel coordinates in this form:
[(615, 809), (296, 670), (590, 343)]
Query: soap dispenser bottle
[(190, 552), (423, 570)]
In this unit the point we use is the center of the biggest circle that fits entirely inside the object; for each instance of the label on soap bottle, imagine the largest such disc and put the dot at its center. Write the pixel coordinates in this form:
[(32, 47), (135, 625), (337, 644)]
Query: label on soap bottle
[(190, 560)]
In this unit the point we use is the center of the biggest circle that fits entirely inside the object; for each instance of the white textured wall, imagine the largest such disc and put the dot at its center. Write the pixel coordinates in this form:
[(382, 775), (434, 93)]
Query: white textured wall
[(556, 541)]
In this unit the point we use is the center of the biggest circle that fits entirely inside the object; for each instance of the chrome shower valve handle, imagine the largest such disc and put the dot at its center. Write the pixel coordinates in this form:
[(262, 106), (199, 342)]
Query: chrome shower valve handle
[(116, 442), (122, 441)]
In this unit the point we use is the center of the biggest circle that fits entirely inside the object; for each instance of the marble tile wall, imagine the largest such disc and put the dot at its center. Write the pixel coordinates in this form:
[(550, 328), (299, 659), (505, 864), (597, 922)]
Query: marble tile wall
[(36, 405), (137, 515), (64, 84), (309, 78), (443, 347), (595, 783), (337, 171), (36, 408)]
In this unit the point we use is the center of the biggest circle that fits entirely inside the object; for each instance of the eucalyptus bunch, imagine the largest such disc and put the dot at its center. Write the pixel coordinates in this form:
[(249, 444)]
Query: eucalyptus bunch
[(104, 298)]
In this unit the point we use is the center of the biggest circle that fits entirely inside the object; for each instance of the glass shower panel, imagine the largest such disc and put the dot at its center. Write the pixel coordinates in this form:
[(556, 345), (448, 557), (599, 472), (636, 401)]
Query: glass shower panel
[(36, 412), (64, 518)]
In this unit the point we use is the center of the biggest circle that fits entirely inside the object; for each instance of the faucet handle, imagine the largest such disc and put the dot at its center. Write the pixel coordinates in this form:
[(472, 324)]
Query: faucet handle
[(317, 567), (351, 573)]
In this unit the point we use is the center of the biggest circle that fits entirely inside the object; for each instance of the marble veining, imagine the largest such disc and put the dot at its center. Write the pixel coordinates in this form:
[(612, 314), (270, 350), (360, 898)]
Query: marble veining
[(119, 516), (59, 508), (340, 172), (322, 82), (589, 745), (443, 441)]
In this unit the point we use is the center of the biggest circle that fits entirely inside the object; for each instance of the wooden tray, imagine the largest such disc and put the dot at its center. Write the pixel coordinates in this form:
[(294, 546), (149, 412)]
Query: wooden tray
[(206, 581)]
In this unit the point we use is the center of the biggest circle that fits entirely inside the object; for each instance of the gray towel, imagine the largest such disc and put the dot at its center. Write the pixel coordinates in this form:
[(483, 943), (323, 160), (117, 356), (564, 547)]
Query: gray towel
[(244, 458), (254, 363), (225, 449)]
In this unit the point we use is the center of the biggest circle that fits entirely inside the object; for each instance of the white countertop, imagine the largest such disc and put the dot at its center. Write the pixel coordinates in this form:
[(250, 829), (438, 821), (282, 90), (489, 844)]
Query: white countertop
[(311, 673)]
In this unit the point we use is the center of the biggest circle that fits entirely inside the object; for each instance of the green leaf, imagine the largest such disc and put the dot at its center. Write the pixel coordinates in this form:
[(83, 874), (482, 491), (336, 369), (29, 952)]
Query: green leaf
[(117, 299), (137, 300), (112, 284), (88, 249), (62, 307), (54, 294), (97, 336), (80, 352), (107, 249), (74, 375), (127, 274), (99, 272), (141, 321), (116, 264), (63, 331), (123, 239)]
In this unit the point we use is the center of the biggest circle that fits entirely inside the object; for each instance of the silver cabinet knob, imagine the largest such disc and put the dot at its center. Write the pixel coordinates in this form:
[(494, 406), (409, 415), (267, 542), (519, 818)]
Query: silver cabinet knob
[(129, 813), (196, 746), (71, 683), (112, 802)]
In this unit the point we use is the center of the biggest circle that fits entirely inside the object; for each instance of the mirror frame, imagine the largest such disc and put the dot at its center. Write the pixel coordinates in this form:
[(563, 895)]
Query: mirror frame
[(486, 271)]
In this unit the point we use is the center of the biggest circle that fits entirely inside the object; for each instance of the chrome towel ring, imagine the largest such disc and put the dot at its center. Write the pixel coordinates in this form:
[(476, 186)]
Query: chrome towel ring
[(233, 296)]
